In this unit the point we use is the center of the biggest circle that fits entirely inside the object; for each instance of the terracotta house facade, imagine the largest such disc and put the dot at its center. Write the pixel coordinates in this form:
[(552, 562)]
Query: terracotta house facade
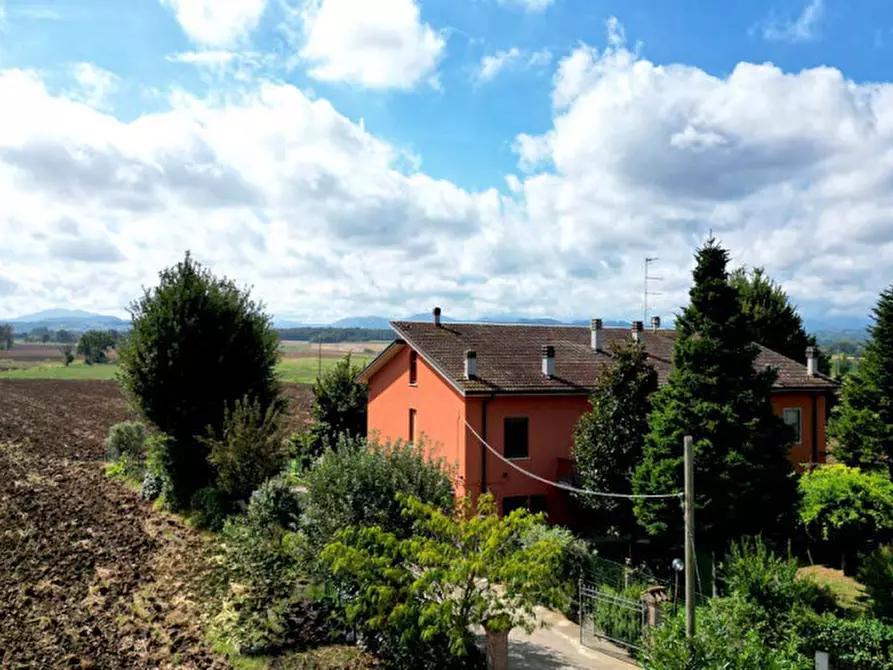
[(522, 389)]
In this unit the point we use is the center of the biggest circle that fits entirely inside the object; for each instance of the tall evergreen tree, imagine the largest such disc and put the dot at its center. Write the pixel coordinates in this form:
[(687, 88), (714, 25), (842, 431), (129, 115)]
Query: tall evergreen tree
[(608, 439), (715, 394), (773, 320), (862, 424)]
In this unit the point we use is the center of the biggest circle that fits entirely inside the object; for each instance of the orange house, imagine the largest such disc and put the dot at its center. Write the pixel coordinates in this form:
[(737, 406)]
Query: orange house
[(522, 388)]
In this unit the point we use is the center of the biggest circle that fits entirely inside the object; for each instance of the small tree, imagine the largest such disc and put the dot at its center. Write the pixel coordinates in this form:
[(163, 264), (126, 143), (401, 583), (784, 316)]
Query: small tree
[(94, 346), (339, 405), (67, 351), (862, 424), (847, 509), (249, 450), (198, 344), (469, 569), (6, 337), (608, 439)]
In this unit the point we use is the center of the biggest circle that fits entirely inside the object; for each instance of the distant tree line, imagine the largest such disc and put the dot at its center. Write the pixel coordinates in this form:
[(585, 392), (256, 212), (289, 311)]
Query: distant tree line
[(309, 334)]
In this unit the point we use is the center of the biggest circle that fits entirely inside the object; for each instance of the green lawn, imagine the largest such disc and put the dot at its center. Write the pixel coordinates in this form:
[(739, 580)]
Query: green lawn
[(297, 370)]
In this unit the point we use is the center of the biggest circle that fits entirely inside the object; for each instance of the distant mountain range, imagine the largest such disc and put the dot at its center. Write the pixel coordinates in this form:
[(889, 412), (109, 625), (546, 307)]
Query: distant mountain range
[(69, 319)]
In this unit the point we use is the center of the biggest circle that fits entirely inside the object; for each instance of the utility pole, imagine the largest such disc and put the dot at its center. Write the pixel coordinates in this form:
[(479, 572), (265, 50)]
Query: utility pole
[(648, 261), (688, 449)]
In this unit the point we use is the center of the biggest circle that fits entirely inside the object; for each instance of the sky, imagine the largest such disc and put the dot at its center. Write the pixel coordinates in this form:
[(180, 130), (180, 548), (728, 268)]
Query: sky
[(350, 157)]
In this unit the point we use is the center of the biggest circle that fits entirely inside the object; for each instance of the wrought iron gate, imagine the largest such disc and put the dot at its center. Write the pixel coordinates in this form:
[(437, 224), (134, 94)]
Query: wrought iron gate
[(612, 618)]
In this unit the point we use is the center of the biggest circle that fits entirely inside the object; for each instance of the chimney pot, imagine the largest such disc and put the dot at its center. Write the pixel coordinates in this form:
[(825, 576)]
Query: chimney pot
[(595, 330), (471, 364), (655, 324), (436, 313), (636, 329), (812, 361), (548, 360)]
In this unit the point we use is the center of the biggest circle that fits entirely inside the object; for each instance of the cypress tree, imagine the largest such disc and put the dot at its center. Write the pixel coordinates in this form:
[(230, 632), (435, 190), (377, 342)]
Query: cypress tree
[(608, 439), (862, 424), (715, 394)]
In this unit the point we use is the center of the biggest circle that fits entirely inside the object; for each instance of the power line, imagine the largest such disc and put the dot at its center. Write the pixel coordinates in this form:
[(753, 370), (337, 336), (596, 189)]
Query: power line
[(567, 487)]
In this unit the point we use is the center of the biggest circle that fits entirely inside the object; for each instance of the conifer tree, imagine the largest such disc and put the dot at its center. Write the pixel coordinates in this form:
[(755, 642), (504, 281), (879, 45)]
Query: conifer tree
[(862, 424), (608, 439), (715, 394)]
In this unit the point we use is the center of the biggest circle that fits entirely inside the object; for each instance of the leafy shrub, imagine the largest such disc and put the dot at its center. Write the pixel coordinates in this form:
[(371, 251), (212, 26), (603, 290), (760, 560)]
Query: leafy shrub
[(876, 574), (847, 509), (619, 623), (156, 483), (275, 505), (358, 485), (198, 344), (249, 450), (152, 486), (126, 440), (94, 345), (210, 508), (302, 451), (861, 644)]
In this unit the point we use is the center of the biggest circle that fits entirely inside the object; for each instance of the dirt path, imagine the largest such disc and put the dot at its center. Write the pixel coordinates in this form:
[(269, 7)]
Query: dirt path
[(90, 576)]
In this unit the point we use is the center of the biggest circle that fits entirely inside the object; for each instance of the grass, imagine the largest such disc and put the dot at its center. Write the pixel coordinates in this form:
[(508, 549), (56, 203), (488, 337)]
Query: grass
[(57, 370), (848, 591), (297, 370)]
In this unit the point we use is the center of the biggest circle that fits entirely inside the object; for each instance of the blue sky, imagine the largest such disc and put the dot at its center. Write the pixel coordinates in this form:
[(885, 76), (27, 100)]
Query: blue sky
[(522, 156)]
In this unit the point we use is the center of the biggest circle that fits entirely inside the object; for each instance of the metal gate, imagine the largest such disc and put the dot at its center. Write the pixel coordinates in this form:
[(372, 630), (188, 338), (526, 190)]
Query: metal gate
[(610, 618)]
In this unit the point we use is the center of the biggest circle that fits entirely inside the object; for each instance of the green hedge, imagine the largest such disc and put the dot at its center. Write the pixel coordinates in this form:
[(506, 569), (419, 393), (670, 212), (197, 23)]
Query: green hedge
[(861, 644)]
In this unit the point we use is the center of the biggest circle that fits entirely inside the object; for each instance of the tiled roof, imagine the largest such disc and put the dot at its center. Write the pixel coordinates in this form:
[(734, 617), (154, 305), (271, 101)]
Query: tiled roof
[(509, 357)]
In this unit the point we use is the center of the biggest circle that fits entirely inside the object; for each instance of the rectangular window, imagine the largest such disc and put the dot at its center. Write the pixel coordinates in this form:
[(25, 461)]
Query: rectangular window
[(533, 504), (792, 417), (412, 420), (413, 368), (515, 438)]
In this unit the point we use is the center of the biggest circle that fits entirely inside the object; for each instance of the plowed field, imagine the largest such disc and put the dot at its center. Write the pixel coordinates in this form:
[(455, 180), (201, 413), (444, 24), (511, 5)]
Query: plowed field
[(90, 576)]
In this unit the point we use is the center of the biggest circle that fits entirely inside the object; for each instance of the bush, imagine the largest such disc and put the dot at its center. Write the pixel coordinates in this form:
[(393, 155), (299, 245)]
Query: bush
[(197, 345), (275, 505), (861, 644), (302, 452), (156, 483), (339, 406), (126, 440), (358, 485), (94, 345), (210, 508), (846, 509), (249, 450), (876, 574)]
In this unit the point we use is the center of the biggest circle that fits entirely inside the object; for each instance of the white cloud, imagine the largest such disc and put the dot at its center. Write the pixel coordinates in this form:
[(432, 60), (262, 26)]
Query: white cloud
[(527, 5), (204, 57), (217, 23), (377, 45), (802, 29), (792, 171), (492, 65), (95, 84)]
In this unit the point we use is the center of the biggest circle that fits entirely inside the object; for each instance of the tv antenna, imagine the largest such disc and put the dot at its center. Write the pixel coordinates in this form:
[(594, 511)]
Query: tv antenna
[(648, 278)]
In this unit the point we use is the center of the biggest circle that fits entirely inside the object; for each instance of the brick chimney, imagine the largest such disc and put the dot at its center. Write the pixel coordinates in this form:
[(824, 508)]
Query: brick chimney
[(595, 329), (655, 324), (812, 361), (548, 361), (436, 314), (471, 364), (636, 330)]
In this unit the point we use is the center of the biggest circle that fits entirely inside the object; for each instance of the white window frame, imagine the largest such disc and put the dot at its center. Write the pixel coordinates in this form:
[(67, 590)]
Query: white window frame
[(799, 424)]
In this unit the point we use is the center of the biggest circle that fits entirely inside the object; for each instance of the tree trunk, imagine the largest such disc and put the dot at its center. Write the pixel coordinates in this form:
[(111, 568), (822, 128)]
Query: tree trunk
[(497, 650)]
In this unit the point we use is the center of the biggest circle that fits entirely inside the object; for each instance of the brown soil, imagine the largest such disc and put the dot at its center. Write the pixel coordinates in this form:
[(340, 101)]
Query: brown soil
[(90, 575)]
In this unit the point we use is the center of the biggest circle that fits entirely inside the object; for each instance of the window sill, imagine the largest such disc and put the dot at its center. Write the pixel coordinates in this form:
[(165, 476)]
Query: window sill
[(413, 385), (517, 458)]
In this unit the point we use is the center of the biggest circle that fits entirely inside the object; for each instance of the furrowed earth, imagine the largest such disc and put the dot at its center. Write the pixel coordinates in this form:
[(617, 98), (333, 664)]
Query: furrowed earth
[(90, 575)]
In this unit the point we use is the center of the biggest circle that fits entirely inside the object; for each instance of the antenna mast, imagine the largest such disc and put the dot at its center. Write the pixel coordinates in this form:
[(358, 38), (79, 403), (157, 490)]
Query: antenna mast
[(648, 261)]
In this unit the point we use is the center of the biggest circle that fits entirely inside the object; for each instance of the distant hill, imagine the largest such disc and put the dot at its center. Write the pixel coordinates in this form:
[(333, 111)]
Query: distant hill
[(69, 319), (377, 322)]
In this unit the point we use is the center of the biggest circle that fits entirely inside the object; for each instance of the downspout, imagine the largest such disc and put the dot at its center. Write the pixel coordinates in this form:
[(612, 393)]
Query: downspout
[(483, 447)]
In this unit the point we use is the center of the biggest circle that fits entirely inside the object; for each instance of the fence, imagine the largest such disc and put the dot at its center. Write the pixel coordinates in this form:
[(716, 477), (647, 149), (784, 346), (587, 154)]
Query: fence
[(611, 617)]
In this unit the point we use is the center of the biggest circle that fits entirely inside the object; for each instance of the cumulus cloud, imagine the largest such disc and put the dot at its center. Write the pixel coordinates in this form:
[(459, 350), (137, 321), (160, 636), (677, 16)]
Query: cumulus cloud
[(278, 190), (94, 84), (217, 23), (802, 29), (377, 45), (492, 65)]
